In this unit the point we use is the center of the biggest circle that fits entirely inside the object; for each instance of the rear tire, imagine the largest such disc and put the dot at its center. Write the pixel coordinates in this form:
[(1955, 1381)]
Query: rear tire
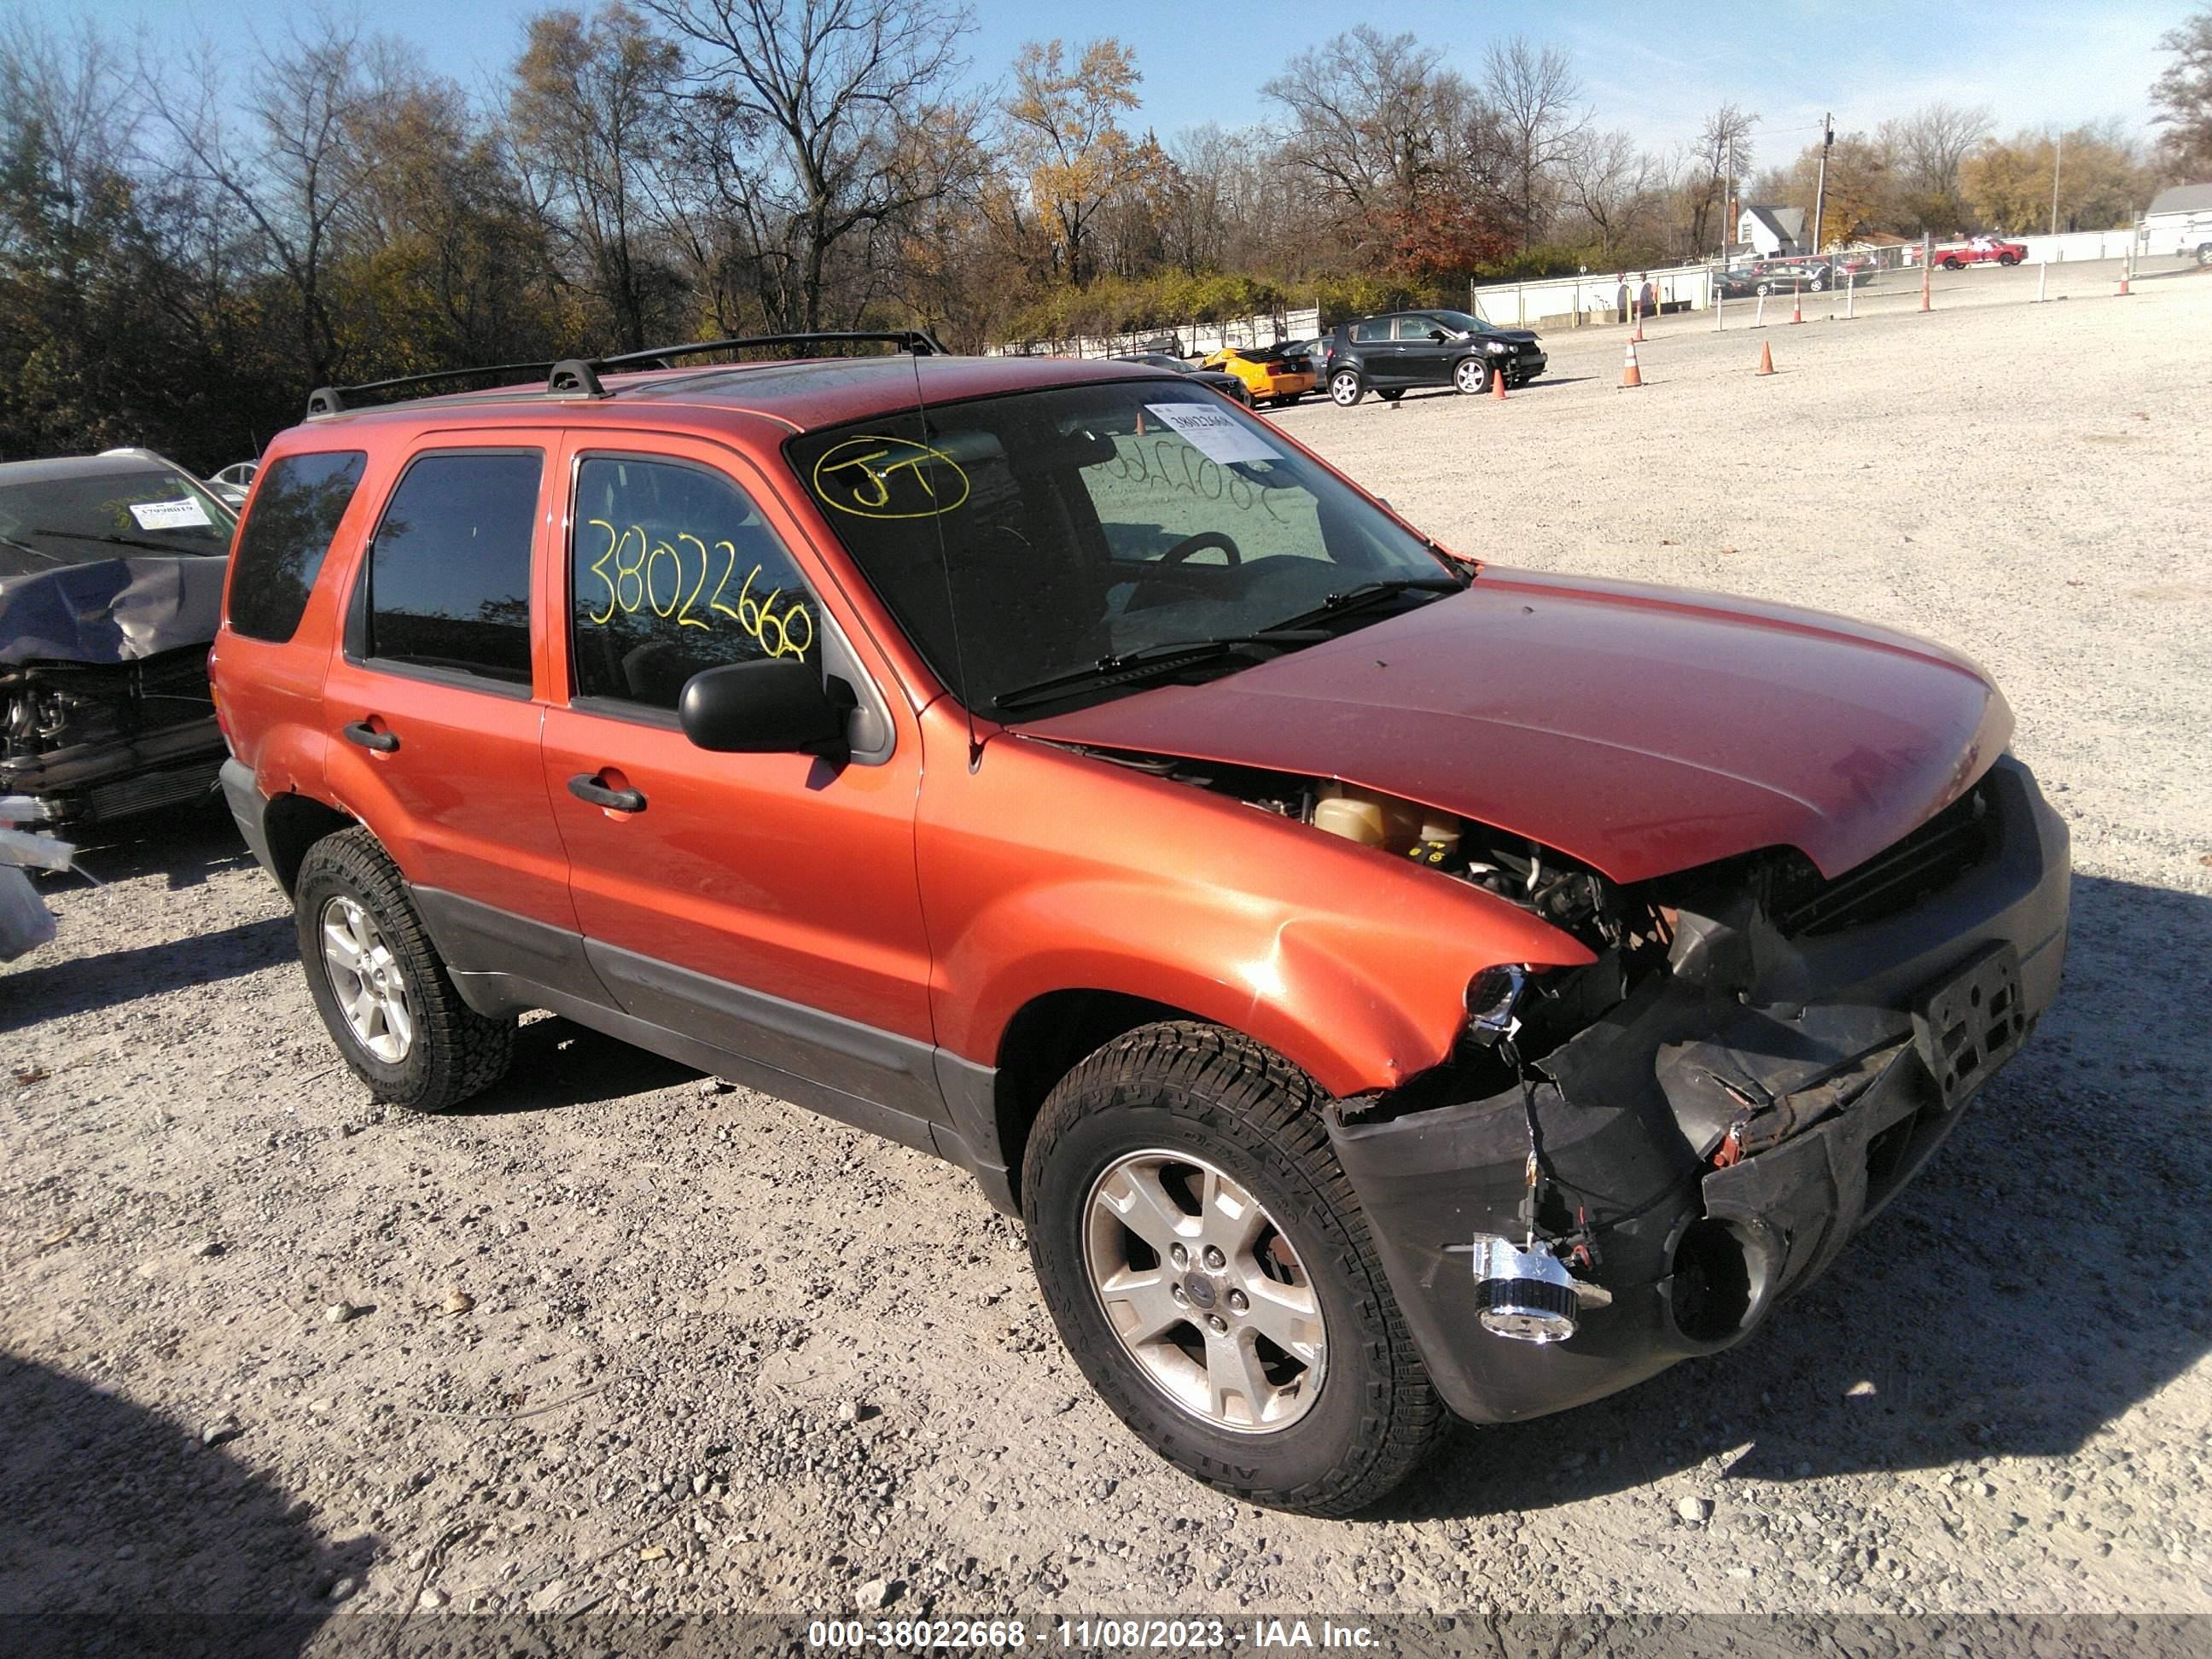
[(1197, 1137), (1345, 388), (2204, 254), (380, 986)]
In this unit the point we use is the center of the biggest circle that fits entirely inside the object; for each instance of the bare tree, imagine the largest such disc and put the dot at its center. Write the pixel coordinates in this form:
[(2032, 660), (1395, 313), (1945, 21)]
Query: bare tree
[(292, 184), (816, 100), (1924, 151), (1381, 130), (1532, 93), (2183, 93), (1725, 143), (1608, 180), (590, 113)]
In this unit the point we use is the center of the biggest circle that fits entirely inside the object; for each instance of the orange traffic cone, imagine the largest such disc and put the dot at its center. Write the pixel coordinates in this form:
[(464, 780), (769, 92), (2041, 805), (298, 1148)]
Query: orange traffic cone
[(1765, 358), (1630, 374), (1638, 311), (1796, 306), (1497, 384), (2123, 283)]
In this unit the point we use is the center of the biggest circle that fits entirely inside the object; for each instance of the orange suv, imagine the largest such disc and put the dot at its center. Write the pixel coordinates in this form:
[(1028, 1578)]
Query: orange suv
[(1385, 985)]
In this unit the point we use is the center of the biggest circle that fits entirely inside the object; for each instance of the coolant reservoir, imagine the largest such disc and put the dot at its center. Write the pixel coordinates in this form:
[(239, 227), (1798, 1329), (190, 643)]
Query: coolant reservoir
[(1363, 816)]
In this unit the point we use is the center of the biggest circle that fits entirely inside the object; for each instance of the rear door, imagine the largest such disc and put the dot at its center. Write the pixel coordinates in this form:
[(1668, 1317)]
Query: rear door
[(1380, 362), (431, 705), (766, 905)]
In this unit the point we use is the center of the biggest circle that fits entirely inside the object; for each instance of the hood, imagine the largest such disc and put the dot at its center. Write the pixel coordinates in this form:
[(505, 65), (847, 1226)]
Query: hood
[(112, 609), (1642, 730)]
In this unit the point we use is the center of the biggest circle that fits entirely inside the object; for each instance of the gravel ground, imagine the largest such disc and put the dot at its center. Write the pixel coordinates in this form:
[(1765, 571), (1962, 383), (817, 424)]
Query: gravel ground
[(614, 1337)]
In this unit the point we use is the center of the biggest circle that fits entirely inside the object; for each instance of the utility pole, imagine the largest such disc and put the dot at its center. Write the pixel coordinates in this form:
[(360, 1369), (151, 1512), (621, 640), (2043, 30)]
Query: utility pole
[(1728, 203), (2057, 160), (1821, 190)]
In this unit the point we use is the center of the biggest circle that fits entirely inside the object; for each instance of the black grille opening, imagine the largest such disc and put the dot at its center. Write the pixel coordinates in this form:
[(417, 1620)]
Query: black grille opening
[(1804, 903)]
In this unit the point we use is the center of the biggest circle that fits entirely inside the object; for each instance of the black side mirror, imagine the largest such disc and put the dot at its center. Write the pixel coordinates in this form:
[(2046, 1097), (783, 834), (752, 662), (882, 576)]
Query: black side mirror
[(777, 706), (1436, 334)]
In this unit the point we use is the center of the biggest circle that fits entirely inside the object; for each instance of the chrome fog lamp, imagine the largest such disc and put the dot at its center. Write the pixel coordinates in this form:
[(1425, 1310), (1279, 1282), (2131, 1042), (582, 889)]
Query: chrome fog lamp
[(1527, 1295)]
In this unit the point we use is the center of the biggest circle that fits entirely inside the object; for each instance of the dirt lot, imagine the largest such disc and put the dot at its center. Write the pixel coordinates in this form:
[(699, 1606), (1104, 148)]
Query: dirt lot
[(722, 1355)]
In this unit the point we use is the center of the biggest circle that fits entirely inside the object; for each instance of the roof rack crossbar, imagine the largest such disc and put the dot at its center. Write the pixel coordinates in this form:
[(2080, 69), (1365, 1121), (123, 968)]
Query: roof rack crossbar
[(919, 341), (331, 399), (579, 377)]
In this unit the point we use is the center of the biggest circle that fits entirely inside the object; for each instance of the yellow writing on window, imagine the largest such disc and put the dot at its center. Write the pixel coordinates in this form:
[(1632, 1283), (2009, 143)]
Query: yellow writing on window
[(638, 574), (886, 477)]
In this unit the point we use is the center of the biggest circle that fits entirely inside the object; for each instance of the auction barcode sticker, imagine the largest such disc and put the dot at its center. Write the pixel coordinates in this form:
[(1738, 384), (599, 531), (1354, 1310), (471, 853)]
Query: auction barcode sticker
[(182, 514), (1214, 433)]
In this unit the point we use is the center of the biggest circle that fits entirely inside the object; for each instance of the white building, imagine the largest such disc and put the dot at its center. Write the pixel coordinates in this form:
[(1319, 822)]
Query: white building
[(2178, 221), (1771, 231)]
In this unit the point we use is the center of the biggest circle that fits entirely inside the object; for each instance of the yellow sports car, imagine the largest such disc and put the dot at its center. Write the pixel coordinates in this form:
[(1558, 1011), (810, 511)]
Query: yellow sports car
[(1267, 374)]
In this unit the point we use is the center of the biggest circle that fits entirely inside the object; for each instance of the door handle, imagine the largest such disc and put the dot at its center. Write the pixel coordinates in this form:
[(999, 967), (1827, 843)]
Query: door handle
[(368, 736), (585, 786)]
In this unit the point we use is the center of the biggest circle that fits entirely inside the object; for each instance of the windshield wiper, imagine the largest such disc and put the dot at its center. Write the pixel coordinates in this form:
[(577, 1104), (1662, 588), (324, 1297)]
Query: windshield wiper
[(1367, 595), (1152, 661), (117, 541)]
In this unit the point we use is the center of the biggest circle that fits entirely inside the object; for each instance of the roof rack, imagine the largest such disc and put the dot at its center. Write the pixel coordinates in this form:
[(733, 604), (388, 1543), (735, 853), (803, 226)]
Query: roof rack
[(332, 399), (579, 377)]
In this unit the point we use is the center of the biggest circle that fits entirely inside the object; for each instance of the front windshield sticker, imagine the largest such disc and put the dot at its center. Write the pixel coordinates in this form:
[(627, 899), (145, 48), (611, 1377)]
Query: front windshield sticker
[(183, 514), (1217, 433), (888, 478)]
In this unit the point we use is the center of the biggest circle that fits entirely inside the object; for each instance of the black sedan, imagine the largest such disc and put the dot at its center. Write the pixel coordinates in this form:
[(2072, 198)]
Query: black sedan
[(1392, 354), (1227, 384)]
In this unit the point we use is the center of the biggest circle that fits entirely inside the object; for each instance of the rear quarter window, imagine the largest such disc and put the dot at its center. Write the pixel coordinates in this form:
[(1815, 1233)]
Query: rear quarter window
[(287, 535)]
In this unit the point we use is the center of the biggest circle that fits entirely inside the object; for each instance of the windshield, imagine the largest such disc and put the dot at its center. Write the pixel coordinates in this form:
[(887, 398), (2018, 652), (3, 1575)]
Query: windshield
[(1086, 523), (83, 517), (1460, 323)]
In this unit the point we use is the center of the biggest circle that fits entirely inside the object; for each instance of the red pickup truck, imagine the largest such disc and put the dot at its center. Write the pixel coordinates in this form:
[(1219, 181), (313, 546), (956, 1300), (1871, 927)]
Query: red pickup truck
[(1983, 250)]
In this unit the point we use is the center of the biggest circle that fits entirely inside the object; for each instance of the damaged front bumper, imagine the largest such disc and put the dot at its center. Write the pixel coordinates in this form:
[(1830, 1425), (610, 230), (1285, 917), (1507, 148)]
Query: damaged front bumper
[(93, 743), (1715, 1140)]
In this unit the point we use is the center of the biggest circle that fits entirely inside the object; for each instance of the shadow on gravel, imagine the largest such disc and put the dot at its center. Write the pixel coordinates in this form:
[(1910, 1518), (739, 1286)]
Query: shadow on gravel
[(187, 846), (112, 1511), (38, 993), (557, 1064), (2048, 1271)]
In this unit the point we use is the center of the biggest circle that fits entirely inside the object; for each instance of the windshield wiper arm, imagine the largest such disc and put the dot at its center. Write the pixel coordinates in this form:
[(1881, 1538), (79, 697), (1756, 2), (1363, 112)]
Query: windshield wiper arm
[(1367, 594), (1147, 662), (118, 541)]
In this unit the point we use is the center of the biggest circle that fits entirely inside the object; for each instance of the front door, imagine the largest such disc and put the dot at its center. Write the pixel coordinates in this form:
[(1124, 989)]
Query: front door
[(1426, 350), (764, 905)]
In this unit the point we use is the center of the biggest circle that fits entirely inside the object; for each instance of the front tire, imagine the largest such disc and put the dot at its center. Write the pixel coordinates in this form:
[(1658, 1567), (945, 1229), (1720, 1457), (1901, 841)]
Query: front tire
[(380, 986), (1472, 376), (1345, 388), (2204, 254), (1211, 1271), (2007, 258)]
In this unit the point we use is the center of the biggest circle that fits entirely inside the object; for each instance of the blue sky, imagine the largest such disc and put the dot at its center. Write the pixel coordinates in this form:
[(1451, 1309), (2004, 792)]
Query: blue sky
[(1650, 68)]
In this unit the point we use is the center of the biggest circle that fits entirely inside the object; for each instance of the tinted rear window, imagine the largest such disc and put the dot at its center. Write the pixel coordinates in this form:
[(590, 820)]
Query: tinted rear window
[(281, 551), (449, 574)]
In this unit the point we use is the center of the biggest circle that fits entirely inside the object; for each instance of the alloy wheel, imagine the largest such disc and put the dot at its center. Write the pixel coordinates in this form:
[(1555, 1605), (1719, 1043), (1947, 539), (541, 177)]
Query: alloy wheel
[(370, 985), (1205, 1292), (1472, 376), (1345, 389)]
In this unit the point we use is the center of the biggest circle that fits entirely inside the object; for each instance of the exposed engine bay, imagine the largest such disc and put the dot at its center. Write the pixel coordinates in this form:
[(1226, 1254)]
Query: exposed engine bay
[(101, 741)]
